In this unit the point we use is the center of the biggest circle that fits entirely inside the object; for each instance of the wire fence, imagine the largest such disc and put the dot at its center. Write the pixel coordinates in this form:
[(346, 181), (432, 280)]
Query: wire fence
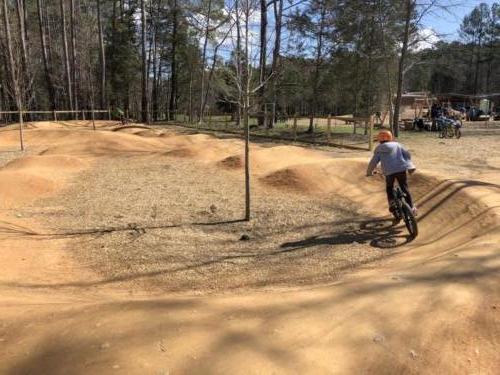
[(350, 132), (7, 117), (343, 131)]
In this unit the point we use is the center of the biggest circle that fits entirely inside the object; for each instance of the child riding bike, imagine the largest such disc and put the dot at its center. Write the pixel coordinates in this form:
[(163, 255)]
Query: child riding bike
[(396, 162)]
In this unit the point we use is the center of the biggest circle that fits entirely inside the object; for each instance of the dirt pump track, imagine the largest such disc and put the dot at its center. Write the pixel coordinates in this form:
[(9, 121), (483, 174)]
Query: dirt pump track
[(432, 306)]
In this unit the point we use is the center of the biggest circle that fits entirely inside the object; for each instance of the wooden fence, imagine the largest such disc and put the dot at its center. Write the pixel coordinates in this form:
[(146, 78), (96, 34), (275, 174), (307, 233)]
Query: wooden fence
[(327, 130), (21, 114)]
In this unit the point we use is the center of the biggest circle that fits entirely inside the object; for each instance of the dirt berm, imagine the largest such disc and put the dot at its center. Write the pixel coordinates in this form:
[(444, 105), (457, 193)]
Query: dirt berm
[(433, 306)]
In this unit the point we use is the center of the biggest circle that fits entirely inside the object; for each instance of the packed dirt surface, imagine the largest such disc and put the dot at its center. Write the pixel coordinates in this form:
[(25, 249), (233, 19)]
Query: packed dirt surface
[(123, 251)]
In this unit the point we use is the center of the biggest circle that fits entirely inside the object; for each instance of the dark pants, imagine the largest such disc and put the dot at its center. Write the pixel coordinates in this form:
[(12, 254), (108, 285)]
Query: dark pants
[(403, 184)]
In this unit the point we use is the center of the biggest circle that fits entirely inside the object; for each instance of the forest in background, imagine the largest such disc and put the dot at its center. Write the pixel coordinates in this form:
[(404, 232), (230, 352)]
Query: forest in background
[(157, 58)]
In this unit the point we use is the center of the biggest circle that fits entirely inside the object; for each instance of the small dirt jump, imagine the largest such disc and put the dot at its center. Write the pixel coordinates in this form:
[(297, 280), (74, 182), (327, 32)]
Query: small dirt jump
[(123, 250)]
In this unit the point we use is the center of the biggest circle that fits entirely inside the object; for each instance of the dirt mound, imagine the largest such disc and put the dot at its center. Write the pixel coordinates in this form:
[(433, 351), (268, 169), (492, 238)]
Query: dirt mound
[(147, 133), (89, 143), (42, 163), (17, 188), (305, 179), (232, 162), (431, 306), (167, 135), (184, 152)]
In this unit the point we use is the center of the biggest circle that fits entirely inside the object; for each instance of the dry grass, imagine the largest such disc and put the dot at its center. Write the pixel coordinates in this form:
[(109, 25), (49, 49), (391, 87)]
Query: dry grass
[(172, 224)]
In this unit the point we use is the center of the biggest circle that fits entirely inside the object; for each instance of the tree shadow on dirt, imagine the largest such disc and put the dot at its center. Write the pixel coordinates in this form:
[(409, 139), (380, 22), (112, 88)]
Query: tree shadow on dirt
[(274, 330), (380, 233)]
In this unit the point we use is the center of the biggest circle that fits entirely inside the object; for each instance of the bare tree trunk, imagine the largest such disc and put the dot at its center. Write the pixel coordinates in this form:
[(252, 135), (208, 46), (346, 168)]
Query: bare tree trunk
[(74, 55), (410, 4), (246, 108), (388, 74), (145, 112), (262, 58), (102, 57), (278, 16), (22, 36), (154, 89), (478, 61), (319, 55), (191, 115), (43, 38), (172, 106), (66, 56), (238, 59), (203, 61), (16, 90)]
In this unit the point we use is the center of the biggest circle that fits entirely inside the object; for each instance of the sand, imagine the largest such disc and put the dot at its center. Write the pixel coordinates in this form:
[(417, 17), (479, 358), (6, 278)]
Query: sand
[(433, 306)]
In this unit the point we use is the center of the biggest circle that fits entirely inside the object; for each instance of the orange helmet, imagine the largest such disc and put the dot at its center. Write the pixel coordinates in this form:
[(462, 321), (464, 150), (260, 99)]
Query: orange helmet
[(384, 136)]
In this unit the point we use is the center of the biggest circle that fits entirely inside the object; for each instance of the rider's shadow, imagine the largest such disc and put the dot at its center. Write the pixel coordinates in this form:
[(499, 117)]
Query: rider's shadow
[(380, 233)]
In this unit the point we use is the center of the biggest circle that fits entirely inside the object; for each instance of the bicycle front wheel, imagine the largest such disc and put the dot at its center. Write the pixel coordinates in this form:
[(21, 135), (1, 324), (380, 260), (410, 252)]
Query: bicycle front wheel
[(451, 132), (409, 219)]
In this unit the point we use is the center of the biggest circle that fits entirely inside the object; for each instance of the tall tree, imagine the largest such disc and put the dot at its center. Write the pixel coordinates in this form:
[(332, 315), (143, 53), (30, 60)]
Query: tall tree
[(409, 13), (145, 109), (22, 36), (262, 58), (45, 57), (14, 76), (278, 26), (102, 56), (74, 66), (172, 106), (69, 87)]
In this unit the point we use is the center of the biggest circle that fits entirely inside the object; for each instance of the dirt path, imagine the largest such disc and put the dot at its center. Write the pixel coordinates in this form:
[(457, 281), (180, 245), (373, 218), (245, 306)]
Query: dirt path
[(433, 306)]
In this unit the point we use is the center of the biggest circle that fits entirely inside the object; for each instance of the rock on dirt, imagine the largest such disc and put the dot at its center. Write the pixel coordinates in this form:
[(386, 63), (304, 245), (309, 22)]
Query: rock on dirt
[(378, 338), (105, 345)]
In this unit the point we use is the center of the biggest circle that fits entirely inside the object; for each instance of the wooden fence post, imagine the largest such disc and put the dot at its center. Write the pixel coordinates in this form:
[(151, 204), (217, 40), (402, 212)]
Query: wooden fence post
[(21, 137), (273, 120), (370, 134), (109, 113), (93, 119), (295, 127), (265, 115), (83, 115), (55, 115), (329, 128)]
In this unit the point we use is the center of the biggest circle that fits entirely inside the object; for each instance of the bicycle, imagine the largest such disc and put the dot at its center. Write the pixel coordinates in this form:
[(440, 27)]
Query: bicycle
[(447, 129), (402, 210)]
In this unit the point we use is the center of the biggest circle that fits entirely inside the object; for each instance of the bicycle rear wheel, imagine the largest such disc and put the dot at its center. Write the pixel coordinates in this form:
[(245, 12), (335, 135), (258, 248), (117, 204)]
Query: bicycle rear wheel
[(409, 219)]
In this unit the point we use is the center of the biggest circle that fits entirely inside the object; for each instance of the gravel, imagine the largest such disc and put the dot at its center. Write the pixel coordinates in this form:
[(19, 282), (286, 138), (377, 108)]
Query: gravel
[(167, 223)]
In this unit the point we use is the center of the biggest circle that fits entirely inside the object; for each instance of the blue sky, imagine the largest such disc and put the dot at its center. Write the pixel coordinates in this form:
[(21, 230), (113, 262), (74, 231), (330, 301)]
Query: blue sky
[(448, 23)]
